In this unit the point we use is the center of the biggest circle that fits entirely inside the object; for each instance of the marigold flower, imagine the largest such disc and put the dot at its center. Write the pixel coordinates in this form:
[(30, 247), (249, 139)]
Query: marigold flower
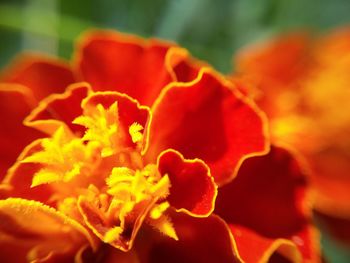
[(302, 84), (126, 150)]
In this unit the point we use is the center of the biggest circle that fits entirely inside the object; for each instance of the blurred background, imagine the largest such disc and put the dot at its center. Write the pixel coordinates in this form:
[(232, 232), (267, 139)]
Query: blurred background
[(211, 30)]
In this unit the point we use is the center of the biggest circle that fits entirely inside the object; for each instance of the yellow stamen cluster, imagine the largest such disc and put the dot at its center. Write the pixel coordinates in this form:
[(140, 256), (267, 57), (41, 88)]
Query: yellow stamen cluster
[(111, 176), (64, 157), (133, 191), (102, 127)]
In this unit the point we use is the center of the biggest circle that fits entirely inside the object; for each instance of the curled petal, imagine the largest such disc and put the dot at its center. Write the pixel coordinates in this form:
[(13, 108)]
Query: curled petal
[(269, 197), (38, 231), (206, 119), (182, 66), (193, 189), (124, 63), (57, 109), (42, 74), (16, 102)]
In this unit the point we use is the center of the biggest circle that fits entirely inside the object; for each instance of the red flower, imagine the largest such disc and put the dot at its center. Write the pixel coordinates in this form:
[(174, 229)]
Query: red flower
[(302, 84), (125, 165)]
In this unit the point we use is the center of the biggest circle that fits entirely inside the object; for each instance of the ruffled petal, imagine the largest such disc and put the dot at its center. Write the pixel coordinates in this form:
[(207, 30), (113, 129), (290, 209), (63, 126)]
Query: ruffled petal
[(125, 63), (16, 102), (193, 189), (207, 119), (269, 198), (42, 74), (59, 109), (37, 232), (200, 240)]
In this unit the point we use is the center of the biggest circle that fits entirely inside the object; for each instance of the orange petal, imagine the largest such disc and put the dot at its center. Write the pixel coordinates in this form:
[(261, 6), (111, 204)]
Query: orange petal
[(193, 189), (16, 101), (281, 60), (58, 108), (42, 74), (129, 110), (125, 63), (269, 197), (200, 240), (206, 119), (276, 70), (37, 231)]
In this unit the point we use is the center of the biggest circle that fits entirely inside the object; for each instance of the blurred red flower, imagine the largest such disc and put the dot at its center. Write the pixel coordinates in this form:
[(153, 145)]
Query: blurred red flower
[(121, 155), (302, 83)]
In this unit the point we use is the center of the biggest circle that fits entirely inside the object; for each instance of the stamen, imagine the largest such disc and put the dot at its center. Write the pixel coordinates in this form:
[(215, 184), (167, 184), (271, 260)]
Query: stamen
[(111, 189), (135, 132), (102, 127)]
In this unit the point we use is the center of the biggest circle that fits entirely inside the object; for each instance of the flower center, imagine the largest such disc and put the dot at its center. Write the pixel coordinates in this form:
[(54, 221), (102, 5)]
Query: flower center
[(100, 180)]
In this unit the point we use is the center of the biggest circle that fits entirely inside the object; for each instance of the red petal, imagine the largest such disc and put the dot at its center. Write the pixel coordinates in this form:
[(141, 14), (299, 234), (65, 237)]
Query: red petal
[(124, 63), (129, 110), (254, 247), (18, 180), (206, 119), (339, 228), (16, 102), (42, 74), (58, 108), (269, 197), (200, 240), (331, 182), (184, 67), (192, 187)]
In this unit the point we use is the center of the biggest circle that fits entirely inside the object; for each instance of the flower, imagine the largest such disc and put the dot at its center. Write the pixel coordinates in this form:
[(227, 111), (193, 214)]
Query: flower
[(302, 84), (127, 147)]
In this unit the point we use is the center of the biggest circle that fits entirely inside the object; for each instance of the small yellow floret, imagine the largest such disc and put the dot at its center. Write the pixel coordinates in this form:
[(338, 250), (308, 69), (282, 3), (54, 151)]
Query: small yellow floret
[(112, 234), (140, 190), (63, 158), (158, 210), (165, 226), (135, 132), (102, 127)]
